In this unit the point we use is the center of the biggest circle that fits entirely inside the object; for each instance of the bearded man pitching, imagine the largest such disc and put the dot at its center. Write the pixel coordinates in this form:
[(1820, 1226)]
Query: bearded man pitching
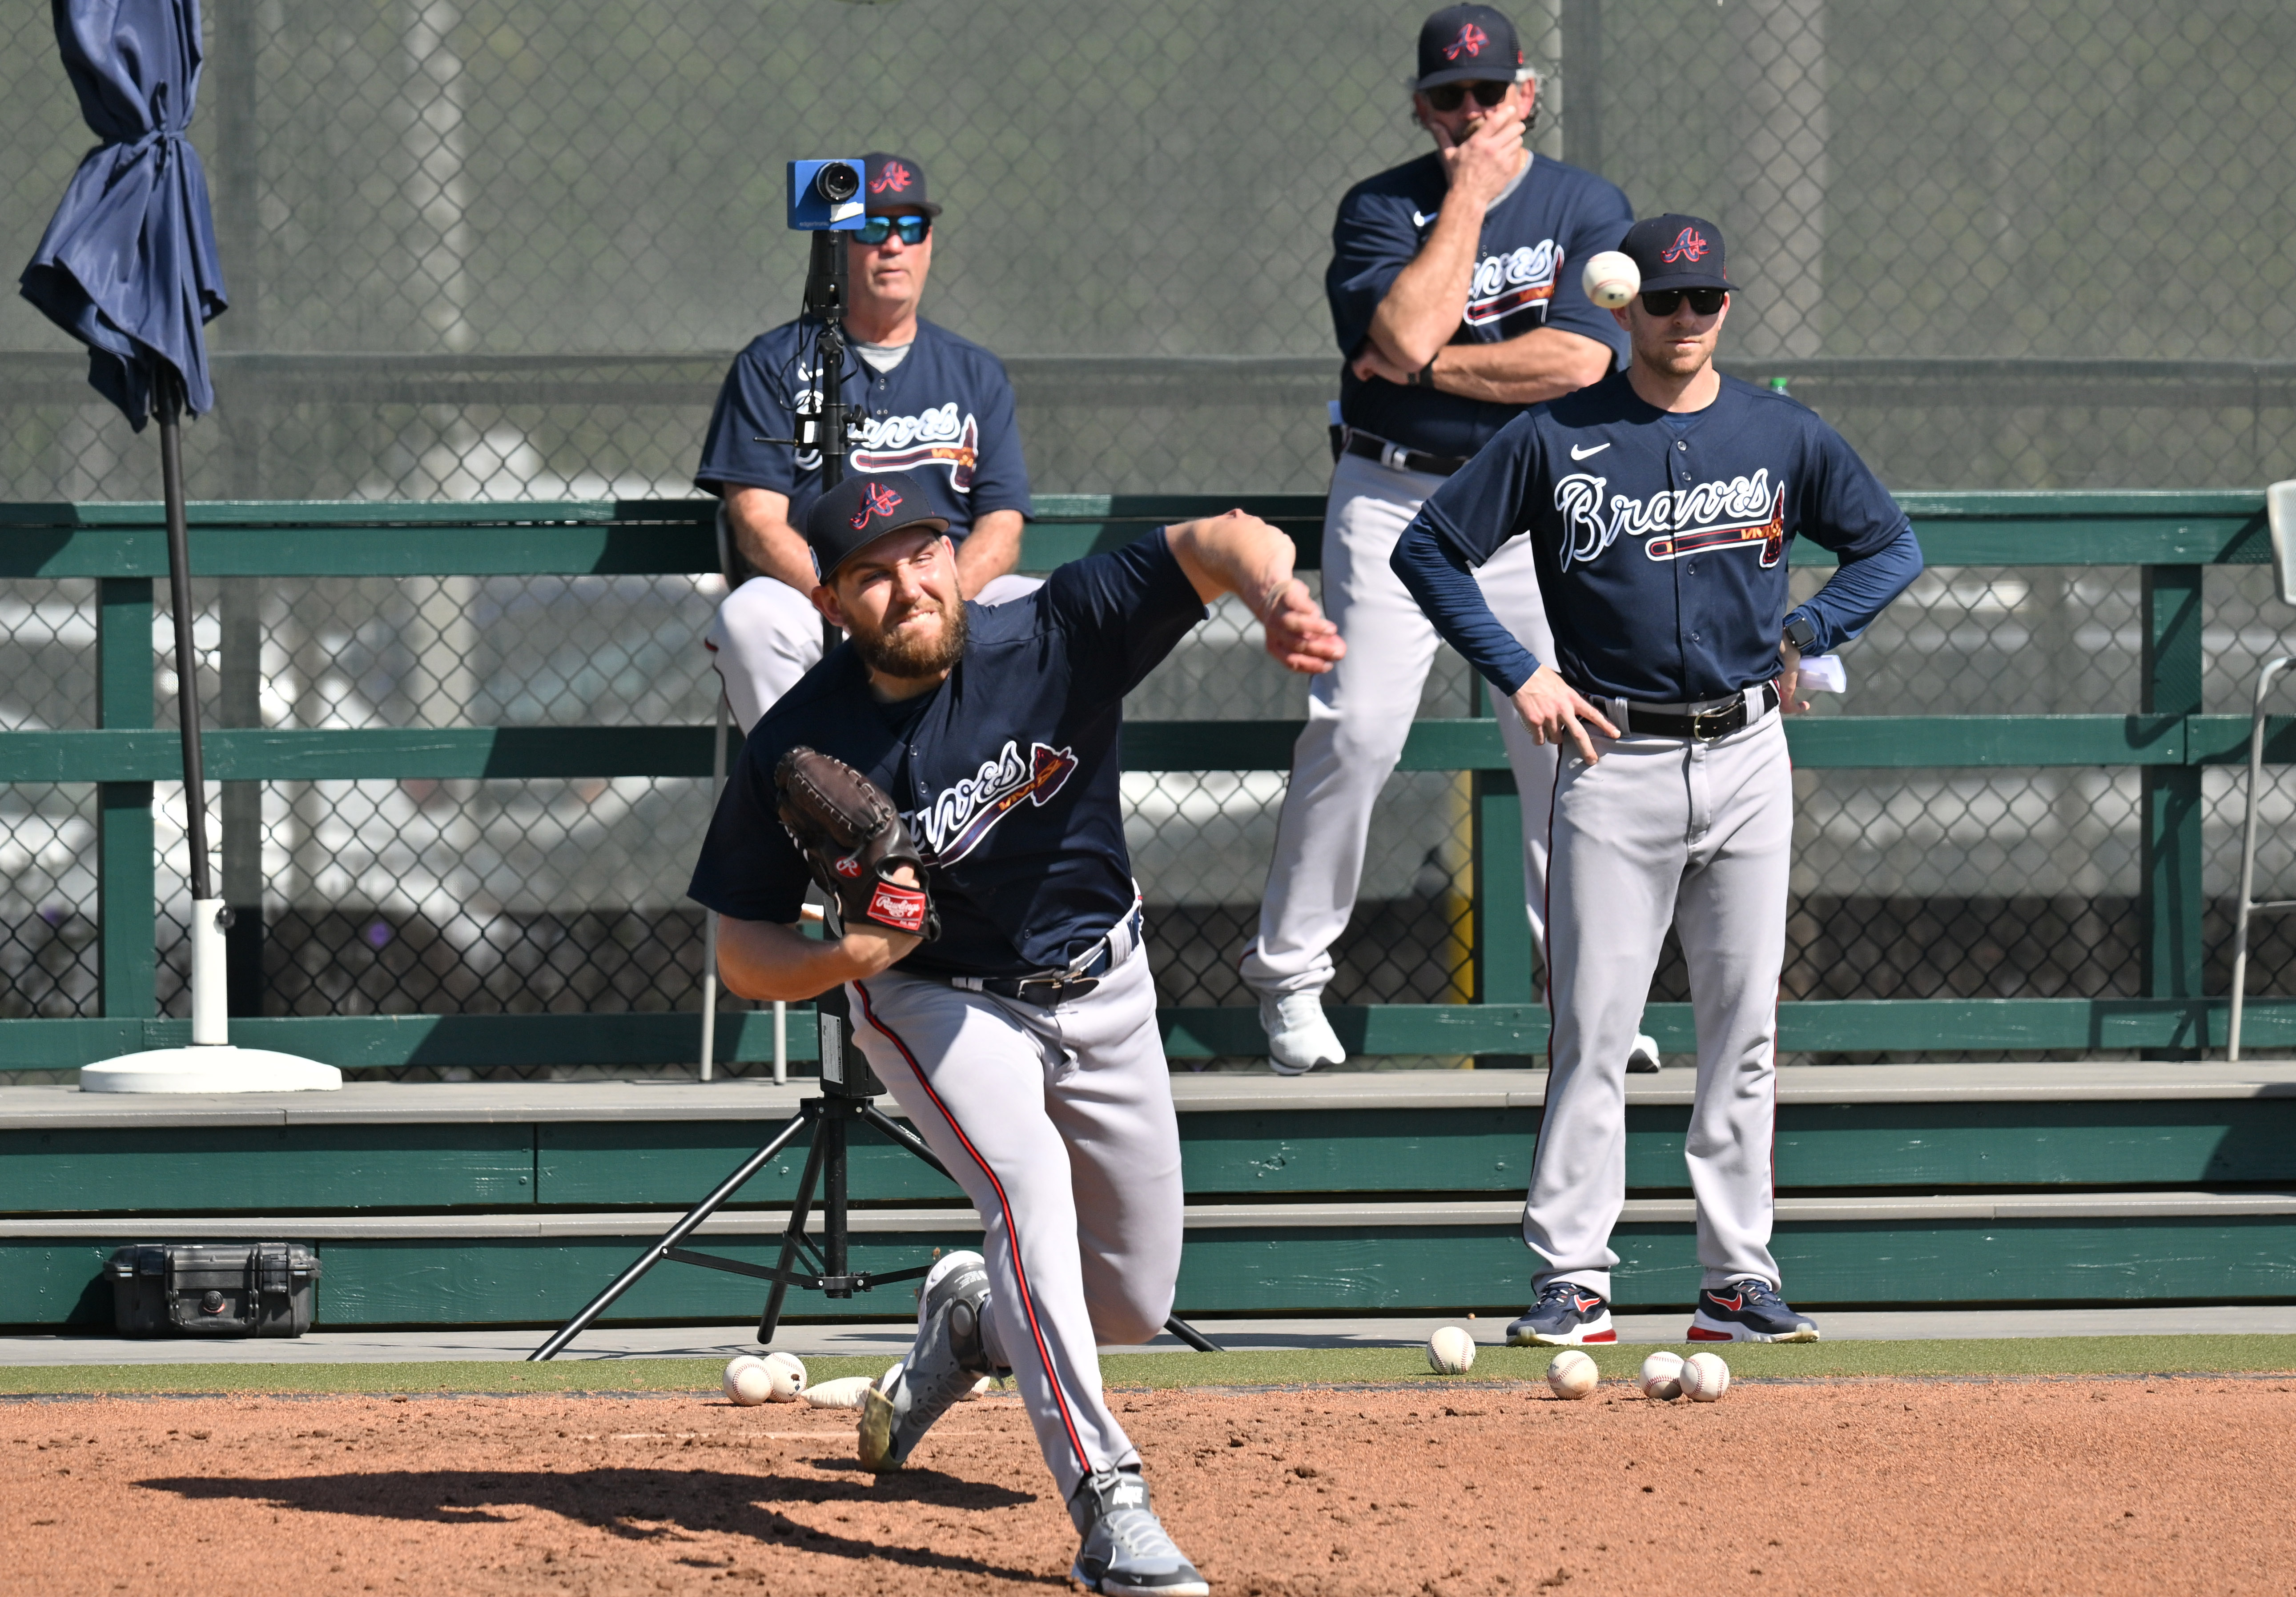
[(1021, 1041), (1660, 505)]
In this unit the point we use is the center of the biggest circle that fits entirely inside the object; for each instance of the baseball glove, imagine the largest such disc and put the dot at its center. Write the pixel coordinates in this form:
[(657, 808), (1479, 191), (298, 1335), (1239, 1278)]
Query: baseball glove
[(853, 842)]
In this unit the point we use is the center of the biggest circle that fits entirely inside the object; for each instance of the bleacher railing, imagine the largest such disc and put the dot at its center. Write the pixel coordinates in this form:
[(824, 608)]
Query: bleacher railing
[(2172, 538)]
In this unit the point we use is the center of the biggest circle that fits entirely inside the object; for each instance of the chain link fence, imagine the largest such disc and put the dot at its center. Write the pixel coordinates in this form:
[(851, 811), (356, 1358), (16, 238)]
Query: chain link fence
[(496, 250)]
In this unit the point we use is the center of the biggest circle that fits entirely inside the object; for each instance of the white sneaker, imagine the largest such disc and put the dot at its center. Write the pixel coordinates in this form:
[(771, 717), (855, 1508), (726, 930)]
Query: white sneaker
[(1298, 1037), (1642, 1059)]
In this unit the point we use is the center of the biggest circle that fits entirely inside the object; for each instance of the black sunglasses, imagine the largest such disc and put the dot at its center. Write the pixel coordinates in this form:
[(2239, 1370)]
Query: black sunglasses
[(877, 229), (1664, 302), (1450, 96)]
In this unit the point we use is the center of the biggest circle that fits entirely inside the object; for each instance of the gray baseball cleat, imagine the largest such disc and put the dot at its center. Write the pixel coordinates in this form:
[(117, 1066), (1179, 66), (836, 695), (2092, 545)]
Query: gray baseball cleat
[(941, 1366), (1126, 1552)]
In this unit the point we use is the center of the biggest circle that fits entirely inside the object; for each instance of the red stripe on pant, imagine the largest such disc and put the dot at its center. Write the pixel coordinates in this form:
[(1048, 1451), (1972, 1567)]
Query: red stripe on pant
[(1012, 1228)]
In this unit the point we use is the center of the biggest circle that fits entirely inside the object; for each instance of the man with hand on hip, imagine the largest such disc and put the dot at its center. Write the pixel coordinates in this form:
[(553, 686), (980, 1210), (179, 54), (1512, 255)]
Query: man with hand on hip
[(1659, 506), (1454, 287), (932, 403)]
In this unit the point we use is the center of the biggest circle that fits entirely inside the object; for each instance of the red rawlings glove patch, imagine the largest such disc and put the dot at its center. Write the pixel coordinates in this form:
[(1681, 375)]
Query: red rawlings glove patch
[(901, 908)]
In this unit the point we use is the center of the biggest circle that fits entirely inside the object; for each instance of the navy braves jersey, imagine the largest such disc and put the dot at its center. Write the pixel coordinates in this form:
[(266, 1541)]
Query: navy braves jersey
[(1535, 244), (1008, 774), (1661, 546), (946, 413)]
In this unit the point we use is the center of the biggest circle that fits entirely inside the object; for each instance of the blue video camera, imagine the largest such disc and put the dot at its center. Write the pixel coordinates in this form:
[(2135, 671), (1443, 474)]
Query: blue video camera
[(824, 196)]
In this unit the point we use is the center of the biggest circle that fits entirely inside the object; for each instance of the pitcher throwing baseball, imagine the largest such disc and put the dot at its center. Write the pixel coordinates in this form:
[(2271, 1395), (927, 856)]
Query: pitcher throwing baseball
[(1660, 503), (1022, 1040)]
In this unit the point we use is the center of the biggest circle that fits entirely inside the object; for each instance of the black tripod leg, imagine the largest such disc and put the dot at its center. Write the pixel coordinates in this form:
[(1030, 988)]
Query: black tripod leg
[(670, 1239), (800, 1210), (1193, 1338)]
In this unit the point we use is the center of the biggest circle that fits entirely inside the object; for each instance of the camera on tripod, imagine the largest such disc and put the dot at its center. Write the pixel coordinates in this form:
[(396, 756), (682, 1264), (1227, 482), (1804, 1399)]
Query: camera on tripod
[(826, 195)]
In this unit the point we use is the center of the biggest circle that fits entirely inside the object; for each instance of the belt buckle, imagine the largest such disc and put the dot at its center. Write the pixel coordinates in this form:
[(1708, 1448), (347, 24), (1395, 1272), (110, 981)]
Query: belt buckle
[(1706, 725), (1060, 988)]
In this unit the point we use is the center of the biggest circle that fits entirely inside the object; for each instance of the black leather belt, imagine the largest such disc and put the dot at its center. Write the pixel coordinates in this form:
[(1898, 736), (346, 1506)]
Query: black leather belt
[(1705, 721), (1046, 988), (1397, 458)]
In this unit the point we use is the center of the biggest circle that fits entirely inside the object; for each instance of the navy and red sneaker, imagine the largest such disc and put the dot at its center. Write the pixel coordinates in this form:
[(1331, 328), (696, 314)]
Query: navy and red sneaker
[(1748, 1311), (1565, 1316)]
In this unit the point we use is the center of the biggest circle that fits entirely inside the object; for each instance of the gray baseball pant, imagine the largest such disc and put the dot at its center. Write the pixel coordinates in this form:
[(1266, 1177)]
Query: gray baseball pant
[(1358, 715), (1058, 1124), (1663, 831)]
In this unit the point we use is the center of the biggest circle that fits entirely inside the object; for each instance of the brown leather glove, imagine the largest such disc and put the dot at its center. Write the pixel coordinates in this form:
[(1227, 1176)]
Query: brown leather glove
[(854, 843)]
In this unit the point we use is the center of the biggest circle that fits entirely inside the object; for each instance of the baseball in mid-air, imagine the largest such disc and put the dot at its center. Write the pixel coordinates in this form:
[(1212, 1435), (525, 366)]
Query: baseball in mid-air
[(1661, 1376), (787, 1374), (1572, 1374), (748, 1381), (1705, 1378), (1450, 1351), (1612, 279)]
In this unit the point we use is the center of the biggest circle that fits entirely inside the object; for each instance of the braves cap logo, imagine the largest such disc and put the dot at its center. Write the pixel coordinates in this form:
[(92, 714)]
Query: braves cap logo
[(894, 176), (879, 501), (1689, 244), (1470, 41)]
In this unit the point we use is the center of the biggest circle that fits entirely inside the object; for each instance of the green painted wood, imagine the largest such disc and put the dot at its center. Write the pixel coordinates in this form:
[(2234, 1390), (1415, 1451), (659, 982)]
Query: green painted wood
[(126, 903), (670, 1164), (2172, 900), (1904, 742), (48, 1286), (369, 1042), (635, 536), (294, 754), (1302, 1152), (1998, 1146), (463, 549), (544, 1282), (1878, 1265), (265, 1169), (128, 914), (1828, 1026), (1830, 743)]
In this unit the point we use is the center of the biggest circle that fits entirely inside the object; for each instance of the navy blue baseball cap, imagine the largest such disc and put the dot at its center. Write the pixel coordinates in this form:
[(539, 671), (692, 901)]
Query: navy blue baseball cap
[(1464, 43), (862, 509), (894, 183), (1677, 252)]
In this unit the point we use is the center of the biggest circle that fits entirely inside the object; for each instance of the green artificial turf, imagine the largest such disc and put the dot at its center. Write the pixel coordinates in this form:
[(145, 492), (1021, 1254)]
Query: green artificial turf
[(1377, 1366)]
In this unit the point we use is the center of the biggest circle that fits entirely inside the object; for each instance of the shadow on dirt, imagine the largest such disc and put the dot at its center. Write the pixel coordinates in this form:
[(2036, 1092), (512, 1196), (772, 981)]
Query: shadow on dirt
[(637, 1505)]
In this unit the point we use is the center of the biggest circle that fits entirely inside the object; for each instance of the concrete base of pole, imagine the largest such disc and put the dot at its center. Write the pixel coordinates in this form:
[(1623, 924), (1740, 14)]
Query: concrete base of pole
[(210, 1067)]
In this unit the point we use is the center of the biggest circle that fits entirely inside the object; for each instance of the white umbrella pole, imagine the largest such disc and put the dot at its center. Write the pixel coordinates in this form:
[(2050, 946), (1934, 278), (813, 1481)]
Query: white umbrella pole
[(210, 1064)]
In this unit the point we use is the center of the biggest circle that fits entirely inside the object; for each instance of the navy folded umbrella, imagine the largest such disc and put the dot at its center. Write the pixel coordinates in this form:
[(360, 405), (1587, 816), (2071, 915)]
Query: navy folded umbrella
[(128, 267)]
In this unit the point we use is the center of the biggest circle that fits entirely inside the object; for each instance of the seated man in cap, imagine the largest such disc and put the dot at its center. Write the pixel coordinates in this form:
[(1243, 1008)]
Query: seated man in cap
[(933, 403)]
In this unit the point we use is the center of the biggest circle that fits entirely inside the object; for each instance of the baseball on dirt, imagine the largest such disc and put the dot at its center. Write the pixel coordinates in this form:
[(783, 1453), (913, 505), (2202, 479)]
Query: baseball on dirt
[(1661, 1376), (1705, 1378), (748, 1381), (787, 1374), (1612, 279), (1450, 1351), (1572, 1374)]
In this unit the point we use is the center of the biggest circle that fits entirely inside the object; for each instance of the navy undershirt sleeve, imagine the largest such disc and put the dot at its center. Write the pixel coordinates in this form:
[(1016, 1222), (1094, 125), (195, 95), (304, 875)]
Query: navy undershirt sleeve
[(1859, 590), (1440, 579)]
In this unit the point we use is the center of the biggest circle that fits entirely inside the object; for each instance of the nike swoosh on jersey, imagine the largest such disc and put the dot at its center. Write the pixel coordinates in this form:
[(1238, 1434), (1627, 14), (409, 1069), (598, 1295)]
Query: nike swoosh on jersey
[(1579, 454), (1420, 219)]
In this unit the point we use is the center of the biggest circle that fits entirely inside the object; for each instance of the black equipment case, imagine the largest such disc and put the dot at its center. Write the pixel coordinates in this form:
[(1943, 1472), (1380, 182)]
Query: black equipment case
[(213, 1288)]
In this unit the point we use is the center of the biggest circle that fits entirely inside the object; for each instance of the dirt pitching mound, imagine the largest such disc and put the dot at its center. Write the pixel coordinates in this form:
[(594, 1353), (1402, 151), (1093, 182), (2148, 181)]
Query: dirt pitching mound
[(2093, 1486)]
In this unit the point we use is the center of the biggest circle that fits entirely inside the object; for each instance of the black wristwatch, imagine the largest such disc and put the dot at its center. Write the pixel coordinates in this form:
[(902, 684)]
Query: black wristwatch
[(1802, 632), (1423, 378)]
